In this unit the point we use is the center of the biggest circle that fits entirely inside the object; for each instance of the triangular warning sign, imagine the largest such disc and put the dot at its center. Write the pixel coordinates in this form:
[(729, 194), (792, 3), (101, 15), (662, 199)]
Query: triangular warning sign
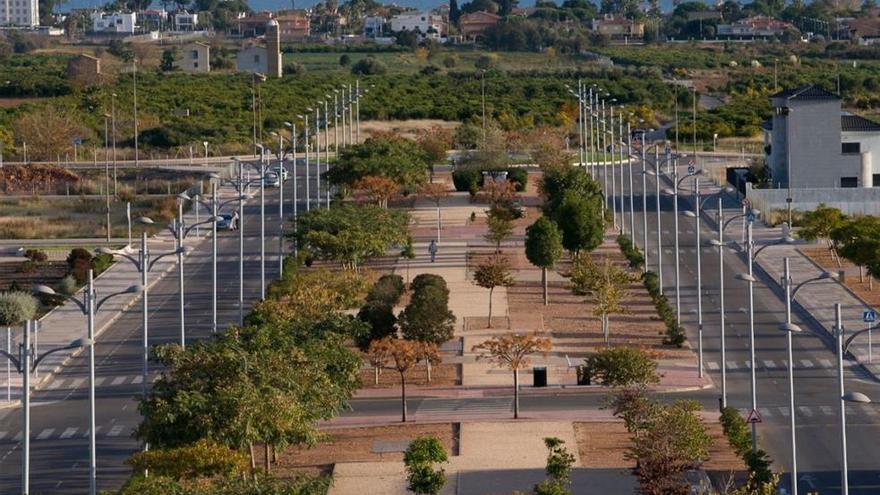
[(754, 417)]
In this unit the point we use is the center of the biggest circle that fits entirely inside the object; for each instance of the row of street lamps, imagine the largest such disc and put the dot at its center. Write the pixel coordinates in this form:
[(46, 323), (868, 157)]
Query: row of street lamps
[(346, 106), (592, 106)]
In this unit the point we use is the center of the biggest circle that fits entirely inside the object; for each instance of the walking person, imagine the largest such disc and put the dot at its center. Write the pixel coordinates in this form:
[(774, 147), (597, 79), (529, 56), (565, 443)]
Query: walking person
[(432, 249), (233, 222)]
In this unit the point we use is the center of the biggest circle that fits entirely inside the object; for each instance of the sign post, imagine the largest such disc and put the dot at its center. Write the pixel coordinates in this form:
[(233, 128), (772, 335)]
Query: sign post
[(754, 417), (869, 316)]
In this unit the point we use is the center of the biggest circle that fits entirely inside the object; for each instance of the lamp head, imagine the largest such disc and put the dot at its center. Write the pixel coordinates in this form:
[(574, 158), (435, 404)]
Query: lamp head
[(668, 191), (826, 276), (857, 397), (144, 220), (790, 327), (745, 277), (689, 214), (184, 196), (214, 175), (105, 250), (134, 289), (80, 343), (43, 289)]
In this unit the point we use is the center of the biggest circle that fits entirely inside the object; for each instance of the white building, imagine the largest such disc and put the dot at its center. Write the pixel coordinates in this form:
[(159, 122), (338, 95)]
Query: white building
[(185, 21), (423, 23), (374, 26), (25, 13), (114, 22)]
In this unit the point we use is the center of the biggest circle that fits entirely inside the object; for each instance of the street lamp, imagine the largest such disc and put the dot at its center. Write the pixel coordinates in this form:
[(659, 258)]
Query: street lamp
[(281, 180), (676, 182), (179, 230), (144, 263), (89, 306), (305, 119), (844, 398), (26, 363), (292, 126), (750, 278)]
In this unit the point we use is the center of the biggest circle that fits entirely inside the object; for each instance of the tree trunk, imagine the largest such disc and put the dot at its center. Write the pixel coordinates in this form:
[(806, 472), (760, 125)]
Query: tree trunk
[(403, 395), (544, 284), (274, 454), (253, 458), (489, 324), (376, 374), (515, 394), (861, 274), (605, 328), (428, 368), (266, 463)]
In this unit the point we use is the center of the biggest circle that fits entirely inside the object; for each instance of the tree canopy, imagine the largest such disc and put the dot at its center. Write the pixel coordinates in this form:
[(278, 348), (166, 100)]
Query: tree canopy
[(399, 159)]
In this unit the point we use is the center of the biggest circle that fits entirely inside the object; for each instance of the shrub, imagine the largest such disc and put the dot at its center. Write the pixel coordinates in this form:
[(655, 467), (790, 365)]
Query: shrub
[(16, 307), (632, 253), (28, 267), (67, 286), (737, 432), (79, 261), (449, 62), (380, 317), (36, 255), (519, 177), (419, 459), (428, 279), (294, 69), (203, 458), (674, 332), (387, 290), (101, 262), (466, 180), (345, 60), (369, 66), (622, 366)]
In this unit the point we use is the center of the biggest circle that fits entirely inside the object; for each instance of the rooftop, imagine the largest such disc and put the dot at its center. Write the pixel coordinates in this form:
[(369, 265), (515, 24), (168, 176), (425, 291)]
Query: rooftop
[(808, 92), (855, 123)]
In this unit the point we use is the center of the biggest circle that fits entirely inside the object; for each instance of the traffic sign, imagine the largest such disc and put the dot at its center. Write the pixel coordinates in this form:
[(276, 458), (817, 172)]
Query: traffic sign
[(77, 141), (754, 417), (869, 316), (744, 202), (691, 169), (750, 217)]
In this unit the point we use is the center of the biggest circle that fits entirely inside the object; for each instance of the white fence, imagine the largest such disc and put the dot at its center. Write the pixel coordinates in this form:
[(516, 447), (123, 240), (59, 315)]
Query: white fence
[(863, 201)]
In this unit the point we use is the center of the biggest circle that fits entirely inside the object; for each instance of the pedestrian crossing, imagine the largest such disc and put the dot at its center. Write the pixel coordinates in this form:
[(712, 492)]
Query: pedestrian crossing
[(73, 432), (101, 381), (781, 365), (816, 412), (442, 407)]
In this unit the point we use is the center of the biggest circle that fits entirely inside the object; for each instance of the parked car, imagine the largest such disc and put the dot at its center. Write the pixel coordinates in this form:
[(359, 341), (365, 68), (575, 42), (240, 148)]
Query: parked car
[(278, 168)]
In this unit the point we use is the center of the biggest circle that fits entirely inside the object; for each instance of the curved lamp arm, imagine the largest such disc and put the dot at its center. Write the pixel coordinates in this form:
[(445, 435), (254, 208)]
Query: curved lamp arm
[(784, 240), (169, 253), (852, 337), (73, 345), (130, 258), (233, 200), (189, 229), (15, 361), (48, 291), (823, 276), (134, 289)]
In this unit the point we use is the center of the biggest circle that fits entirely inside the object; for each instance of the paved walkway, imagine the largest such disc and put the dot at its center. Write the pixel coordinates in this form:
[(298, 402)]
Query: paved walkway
[(66, 323), (494, 458)]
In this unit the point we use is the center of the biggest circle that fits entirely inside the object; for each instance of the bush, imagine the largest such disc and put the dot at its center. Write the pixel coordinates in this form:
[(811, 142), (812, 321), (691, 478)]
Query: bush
[(738, 434), (380, 317), (28, 267), (387, 290), (632, 253), (369, 66), (449, 62), (203, 458), (345, 60), (419, 459), (67, 286), (519, 177), (428, 279), (466, 180), (36, 255), (674, 332), (101, 262), (622, 366), (16, 307), (294, 69)]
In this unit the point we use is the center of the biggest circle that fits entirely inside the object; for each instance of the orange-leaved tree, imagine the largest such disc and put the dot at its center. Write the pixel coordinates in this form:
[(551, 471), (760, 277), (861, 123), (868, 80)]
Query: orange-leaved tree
[(402, 355), (377, 189), (512, 351)]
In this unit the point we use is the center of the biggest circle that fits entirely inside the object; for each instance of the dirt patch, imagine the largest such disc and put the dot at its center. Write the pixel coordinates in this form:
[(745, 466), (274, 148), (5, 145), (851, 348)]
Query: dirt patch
[(442, 375), (404, 128), (867, 289), (603, 445), (356, 445)]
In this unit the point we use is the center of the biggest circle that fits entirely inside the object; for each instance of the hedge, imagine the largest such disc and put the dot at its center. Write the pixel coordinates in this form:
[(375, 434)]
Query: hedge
[(674, 333), (632, 253), (470, 180), (737, 432)]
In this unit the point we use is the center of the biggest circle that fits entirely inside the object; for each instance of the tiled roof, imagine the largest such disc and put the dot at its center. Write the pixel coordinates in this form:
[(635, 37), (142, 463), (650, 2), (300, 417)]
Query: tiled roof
[(808, 92), (854, 123)]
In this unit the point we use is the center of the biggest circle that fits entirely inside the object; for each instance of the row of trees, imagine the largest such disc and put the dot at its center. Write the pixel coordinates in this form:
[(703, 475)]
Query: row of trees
[(267, 382), (854, 238)]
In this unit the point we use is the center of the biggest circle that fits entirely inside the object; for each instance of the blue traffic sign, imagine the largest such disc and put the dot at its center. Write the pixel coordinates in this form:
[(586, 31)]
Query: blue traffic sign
[(750, 217), (869, 316), (77, 141), (691, 169)]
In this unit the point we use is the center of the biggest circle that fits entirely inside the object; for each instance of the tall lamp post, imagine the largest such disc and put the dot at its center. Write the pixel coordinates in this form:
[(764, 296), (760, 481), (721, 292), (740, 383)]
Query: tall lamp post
[(676, 183), (292, 127), (305, 119), (26, 363), (281, 179), (89, 306), (750, 278)]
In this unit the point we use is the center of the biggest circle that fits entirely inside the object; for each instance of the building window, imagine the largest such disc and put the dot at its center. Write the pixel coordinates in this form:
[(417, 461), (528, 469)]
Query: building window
[(876, 180), (850, 148), (256, 59), (195, 54), (849, 182), (195, 65)]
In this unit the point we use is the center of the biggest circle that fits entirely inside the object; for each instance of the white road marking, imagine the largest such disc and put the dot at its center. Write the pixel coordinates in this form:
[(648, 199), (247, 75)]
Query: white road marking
[(731, 365), (712, 365), (68, 433), (783, 411), (805, 411), (45, 433), (806, 363), (137, 379), (768, 363), (3, 435), (118, 380), (826, 363), (826, 410), (115, 431), (77, 382), (765, 412), (101, 379), (55, 384)]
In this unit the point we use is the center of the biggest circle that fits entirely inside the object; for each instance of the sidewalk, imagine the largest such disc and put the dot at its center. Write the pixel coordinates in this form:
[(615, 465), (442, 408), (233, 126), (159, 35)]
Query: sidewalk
[(66, 323)]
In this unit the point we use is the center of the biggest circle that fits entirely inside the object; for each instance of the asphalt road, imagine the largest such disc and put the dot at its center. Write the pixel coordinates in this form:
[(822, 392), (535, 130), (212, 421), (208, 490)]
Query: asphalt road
[(59, 416)]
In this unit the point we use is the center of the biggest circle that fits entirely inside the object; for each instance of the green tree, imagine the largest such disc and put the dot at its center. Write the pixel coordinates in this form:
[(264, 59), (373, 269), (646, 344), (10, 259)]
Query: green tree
[(622, 367), (581, 220), (427, 317), (491, 273), (167, 63), (351, 234), (399, 159), (817, 225), (401, 355), (606, 285), (500, 228), (543, 247), (419, 459), (859, 241), (369, 66), (559, 464), (16, 307), (201, 459), (558, 179)]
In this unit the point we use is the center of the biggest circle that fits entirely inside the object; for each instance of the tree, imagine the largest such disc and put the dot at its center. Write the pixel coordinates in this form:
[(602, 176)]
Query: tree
[(559, 463), (820, 223), (435, 142), (427, 317), (622, 367), (402, 355), (167, 63), (543, 247), (345, 60), (674, 439), (634, 407), (351, 234), (500, 228), (512, 351), (399, 159), (419, 459), (581, 220), (605, 284), (859, 241), (49, 132), (454, 12), (369, 66), (16, 307), (202, 459), (377, 189), (436, 192), (491, 273), (559, 179)]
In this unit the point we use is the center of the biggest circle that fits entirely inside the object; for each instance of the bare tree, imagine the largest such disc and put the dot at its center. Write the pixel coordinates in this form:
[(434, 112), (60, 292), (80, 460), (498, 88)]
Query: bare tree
[(512, 351)]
